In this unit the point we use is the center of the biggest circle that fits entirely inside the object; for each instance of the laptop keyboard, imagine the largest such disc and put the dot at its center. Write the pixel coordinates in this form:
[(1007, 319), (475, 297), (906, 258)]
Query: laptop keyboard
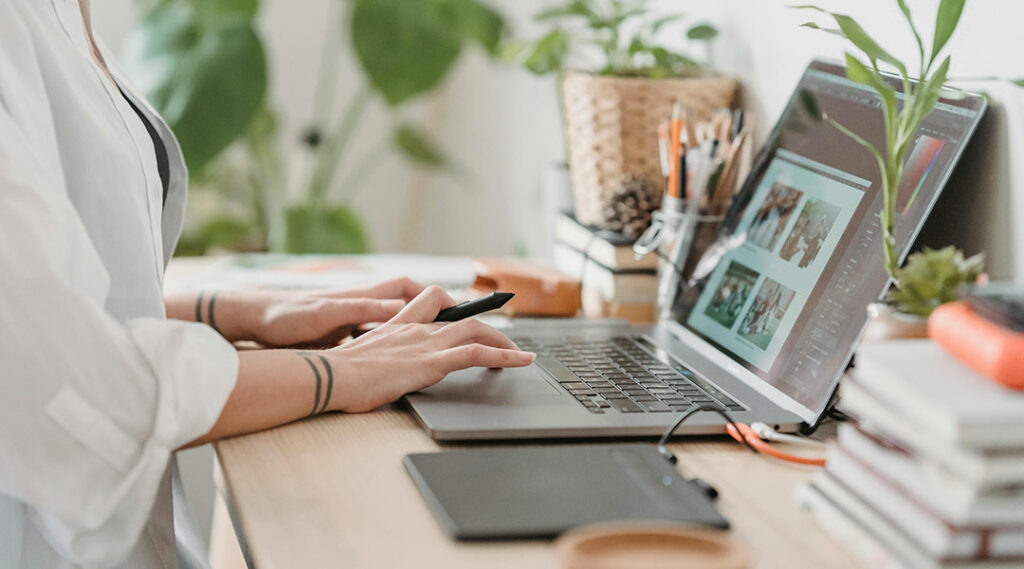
[(618, 374)]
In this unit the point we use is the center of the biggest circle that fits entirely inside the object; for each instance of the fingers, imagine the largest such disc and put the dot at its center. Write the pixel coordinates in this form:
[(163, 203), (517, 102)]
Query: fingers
[(479, 355), (474, 331), (363, 310), (403, 288), (424, 308)]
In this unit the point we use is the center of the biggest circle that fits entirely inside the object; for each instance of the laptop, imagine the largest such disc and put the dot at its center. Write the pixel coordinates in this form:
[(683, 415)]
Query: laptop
[(769, 322)]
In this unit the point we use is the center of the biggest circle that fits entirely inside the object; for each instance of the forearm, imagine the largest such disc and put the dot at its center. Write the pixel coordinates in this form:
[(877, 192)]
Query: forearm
[(223, 310), (275, 387)]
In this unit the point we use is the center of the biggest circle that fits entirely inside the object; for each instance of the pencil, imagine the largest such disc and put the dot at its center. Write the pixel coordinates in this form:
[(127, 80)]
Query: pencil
[(691, 129), (663, 143)]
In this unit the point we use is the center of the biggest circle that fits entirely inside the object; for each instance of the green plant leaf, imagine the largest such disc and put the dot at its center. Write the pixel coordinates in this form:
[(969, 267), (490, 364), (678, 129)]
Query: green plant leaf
[(833, 31), (334, 229), (945, 23), (864, 42), (511, 51), (219, 232), (809, 7), (574, 8), (875, 152), (931, 90), (476, 22), (860, 73), (928, 95), (1018, 82), (702, 32), (207, 77), (548, 53), (933, 277), (620, 17), (209, 11), (416, 146), (637, 46), (655, 25), (404, 47), (809, 102), (913, 28), (668, 63)]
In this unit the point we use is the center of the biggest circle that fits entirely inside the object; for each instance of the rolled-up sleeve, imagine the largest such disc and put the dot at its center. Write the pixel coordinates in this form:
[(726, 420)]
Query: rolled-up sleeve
[(91, 408)]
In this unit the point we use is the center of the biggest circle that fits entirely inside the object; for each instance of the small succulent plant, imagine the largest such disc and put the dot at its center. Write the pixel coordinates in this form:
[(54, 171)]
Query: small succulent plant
[(933, 277)]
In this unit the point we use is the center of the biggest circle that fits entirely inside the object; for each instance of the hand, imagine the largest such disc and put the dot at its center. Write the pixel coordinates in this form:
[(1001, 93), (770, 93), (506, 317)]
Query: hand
[(410, 353), (312, 319)]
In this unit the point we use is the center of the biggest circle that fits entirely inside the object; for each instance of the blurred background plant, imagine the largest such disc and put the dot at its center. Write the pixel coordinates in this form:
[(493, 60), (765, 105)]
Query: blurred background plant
[(611, 38), (606, 56), (203, 66)]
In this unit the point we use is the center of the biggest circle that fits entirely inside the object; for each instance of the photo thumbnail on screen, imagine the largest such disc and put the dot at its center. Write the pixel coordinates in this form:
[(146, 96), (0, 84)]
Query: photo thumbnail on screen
[(731, 294), (773, 215), (765, 314), (809, 232)]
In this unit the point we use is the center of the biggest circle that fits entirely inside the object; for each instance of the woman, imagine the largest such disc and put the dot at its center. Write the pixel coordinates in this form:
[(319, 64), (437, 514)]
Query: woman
[(103, 378)]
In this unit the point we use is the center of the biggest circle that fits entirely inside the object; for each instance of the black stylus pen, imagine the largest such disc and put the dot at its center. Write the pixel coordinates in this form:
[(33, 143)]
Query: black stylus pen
[(473, 307)]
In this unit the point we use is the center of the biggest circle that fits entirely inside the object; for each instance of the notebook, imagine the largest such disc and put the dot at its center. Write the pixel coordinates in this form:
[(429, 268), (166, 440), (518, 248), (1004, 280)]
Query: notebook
[(936, 393)]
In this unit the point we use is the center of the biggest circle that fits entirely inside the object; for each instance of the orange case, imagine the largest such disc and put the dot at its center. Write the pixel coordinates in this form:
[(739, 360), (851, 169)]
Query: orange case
[(990, 349), (539, 290)]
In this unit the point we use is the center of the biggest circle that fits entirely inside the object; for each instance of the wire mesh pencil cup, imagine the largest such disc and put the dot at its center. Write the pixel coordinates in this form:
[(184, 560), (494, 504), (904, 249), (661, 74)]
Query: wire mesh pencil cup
[(680, 233)]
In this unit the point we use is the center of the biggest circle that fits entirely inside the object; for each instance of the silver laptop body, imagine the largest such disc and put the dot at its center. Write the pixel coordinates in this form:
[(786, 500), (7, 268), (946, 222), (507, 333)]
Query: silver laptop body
[(795, 266)]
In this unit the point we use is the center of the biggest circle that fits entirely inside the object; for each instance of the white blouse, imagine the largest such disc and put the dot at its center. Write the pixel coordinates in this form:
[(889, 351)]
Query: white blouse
[(97, 387)]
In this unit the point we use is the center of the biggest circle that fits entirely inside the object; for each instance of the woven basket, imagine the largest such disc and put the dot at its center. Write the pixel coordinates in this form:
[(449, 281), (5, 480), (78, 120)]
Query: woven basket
[(612, 128)]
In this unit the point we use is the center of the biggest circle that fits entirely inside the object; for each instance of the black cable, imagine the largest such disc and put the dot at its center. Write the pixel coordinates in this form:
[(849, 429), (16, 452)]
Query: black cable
[(838, 415), (663, 450)]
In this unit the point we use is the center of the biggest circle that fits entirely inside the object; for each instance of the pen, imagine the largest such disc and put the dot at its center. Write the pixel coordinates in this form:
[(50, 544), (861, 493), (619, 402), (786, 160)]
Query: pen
[(675, 127), (683, 175), (738, 117)]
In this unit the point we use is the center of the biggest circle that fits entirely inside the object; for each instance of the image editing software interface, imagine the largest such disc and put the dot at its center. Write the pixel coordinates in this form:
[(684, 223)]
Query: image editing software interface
[(800, 254)]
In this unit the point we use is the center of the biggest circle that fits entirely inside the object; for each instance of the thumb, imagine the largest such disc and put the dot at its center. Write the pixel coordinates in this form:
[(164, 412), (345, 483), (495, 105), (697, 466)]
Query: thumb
[(363, 310)]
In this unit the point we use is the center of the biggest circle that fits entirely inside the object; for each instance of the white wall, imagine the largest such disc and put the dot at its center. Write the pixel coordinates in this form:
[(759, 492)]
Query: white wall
[(502, 125)]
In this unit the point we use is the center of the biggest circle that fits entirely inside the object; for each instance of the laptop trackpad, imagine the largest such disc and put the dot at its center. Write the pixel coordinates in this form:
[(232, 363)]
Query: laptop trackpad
[(495, 386)]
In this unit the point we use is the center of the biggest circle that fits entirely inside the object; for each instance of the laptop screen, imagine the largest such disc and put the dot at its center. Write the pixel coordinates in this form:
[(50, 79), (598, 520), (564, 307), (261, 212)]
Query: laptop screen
[(785, 289)]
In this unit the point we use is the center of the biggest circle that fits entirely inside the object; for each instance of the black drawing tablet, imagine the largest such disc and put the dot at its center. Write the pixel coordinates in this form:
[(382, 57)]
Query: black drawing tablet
[(541, 491)]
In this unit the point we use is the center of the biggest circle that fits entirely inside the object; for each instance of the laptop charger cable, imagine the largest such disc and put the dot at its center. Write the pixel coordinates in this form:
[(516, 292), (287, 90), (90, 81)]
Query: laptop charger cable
[(754, 438)]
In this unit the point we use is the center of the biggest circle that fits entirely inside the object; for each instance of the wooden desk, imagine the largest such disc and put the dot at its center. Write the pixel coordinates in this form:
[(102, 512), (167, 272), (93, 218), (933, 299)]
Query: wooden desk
[(332, 492)]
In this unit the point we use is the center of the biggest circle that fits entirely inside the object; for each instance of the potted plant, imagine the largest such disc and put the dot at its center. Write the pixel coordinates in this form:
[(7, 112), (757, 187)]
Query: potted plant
[(618, 82), (932, 277), (927, 280), (202, 65)]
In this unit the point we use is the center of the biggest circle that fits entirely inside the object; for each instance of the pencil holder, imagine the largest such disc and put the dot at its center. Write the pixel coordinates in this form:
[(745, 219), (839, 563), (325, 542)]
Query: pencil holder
[(612, 129), (680, 234)]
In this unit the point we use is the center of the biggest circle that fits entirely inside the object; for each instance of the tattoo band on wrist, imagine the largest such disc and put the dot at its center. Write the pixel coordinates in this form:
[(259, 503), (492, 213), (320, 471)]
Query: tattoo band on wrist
[(330, 381), (316, 373), (199, 306), (328, 374), (209, 310)]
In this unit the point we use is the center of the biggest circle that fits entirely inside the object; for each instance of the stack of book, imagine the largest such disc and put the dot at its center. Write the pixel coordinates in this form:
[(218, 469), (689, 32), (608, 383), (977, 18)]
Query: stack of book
[(931, 472), (614, 284)]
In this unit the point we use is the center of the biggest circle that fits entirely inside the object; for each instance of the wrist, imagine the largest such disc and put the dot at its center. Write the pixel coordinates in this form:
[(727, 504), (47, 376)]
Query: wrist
[(231, 313), (323, 368)]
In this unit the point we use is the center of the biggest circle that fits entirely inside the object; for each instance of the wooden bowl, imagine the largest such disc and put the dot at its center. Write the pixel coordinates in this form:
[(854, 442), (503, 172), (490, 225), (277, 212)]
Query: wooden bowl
[(649, 546)]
